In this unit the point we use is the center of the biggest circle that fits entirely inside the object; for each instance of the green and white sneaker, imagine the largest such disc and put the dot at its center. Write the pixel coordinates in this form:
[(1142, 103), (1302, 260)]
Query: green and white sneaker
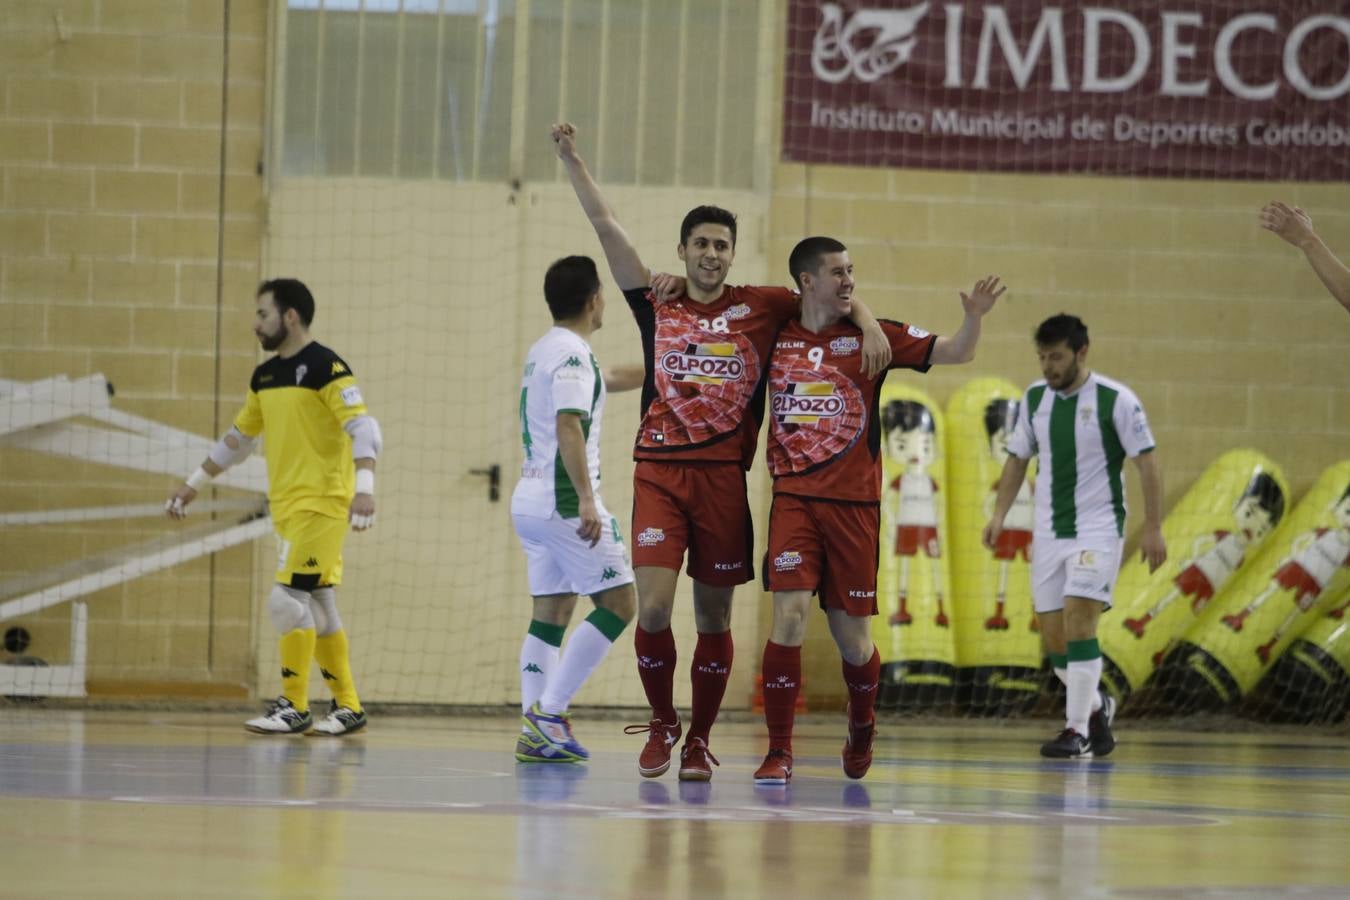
[(281, 718)]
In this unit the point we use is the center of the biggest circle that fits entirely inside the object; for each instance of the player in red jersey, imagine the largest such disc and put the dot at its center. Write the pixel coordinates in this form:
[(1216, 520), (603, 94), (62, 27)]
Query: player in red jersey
[(824, 455), (702, 399)]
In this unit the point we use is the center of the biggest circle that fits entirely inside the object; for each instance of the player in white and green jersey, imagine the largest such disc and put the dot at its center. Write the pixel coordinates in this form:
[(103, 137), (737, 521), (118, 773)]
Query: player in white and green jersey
[(572, 544), (1081, 426)]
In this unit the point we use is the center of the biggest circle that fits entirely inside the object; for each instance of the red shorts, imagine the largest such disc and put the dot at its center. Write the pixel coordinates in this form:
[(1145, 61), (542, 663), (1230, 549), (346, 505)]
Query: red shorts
[(1194, 583), (1294, 577), (1011, 542), (701, 508), (909, 538), (827, 547)]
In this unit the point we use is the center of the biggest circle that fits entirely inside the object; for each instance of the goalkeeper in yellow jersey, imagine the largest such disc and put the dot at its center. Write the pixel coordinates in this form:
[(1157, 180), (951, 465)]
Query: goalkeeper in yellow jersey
[(321, 448)]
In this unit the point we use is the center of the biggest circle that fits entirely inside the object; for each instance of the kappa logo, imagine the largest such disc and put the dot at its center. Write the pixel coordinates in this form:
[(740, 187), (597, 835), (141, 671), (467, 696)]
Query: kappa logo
[(788, 559), (311, 563), (573, 361), (609, 574), (327, 675), (533, 669), (739, 311), (806, 403), (300, 372), (834, 56), (650, 537), (704, 364), (287, 673), (843, 346), (338, 368)]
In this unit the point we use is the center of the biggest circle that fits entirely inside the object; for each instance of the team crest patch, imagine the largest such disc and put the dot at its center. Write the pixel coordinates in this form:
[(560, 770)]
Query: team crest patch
[(916, 331), (843, 346), (650, 537), (352, 396), (739, 311), (787, 560)]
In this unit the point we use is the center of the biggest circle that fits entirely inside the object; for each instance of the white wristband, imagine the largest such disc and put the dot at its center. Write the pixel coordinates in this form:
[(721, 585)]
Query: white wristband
[(365, 481), (198, 479)]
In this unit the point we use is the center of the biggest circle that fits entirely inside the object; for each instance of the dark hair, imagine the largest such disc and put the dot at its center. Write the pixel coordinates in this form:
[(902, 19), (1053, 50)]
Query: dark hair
[(1268, 495), (906, 415), (288, 293), (1063, 327), (807, 254), (568, 284), (999, 415), (707, 215)]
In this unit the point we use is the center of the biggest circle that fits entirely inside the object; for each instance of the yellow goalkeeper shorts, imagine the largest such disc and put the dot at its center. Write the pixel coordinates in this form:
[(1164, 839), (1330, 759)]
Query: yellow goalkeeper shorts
[(309, 550)]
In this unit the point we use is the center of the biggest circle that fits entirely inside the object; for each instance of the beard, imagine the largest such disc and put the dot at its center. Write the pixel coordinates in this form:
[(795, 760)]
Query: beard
[(1069, 377), (271, 342)]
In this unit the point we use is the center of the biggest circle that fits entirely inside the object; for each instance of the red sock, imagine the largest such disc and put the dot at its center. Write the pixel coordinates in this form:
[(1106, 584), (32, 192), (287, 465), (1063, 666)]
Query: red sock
[(862, 688), (709, 674), (656, 668), (782, 681)]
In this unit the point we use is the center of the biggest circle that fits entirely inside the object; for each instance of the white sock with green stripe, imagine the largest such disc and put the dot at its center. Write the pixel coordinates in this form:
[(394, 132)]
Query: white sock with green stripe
[(1060, 663), (1085, 674), (585, 650), (538, 657)]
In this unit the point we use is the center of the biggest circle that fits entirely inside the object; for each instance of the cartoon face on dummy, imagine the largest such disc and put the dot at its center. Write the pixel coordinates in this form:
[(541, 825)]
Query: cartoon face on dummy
[(1252, 520), (916, 449)]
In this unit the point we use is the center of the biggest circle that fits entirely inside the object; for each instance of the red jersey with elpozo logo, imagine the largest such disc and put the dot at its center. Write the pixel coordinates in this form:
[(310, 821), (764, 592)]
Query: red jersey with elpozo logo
[(824, 435), (703, 396)]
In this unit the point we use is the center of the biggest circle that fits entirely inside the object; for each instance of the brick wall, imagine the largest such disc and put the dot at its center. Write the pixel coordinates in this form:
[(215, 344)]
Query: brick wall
[(112, 217)]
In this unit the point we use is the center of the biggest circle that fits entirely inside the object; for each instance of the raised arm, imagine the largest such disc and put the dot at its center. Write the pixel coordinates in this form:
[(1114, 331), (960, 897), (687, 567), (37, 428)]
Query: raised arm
[(1295, 226), (624, 262), (960, 347)]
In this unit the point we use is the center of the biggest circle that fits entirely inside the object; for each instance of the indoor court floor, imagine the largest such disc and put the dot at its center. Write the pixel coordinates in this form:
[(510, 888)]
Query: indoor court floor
[(155, 804)]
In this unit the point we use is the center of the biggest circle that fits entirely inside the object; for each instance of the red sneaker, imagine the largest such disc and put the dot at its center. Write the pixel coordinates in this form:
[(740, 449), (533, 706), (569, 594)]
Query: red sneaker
[(776, 768), (655, 756), (857, 755), (695, 759)]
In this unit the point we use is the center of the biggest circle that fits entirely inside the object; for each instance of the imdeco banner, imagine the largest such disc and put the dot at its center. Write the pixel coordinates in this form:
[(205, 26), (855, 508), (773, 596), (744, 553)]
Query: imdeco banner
[(1251, 89)]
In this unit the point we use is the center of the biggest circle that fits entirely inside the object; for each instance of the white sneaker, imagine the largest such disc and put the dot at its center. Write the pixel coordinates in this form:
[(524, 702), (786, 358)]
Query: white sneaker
[(281, 718), (340, 721)]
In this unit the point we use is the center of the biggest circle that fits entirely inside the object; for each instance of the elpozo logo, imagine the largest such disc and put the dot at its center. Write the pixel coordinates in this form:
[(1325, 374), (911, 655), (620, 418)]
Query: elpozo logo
[(788, 559), (843, 346), (873, 43), (704, 364), (806, 403)]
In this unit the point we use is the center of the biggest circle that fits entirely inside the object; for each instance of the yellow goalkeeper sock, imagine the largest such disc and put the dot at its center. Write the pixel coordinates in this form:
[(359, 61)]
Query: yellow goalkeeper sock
[(334, 663), (297, 653)]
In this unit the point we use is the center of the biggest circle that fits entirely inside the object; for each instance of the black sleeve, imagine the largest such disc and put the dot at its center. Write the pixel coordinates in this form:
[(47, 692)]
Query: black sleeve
[(645, 314)]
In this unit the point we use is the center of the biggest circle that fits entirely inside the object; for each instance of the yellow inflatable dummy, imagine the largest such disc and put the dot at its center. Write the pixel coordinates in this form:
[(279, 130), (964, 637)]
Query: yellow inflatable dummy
[(914, 630), (1213, 532), (998, 649), (1311, 680), (1298, 576)]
